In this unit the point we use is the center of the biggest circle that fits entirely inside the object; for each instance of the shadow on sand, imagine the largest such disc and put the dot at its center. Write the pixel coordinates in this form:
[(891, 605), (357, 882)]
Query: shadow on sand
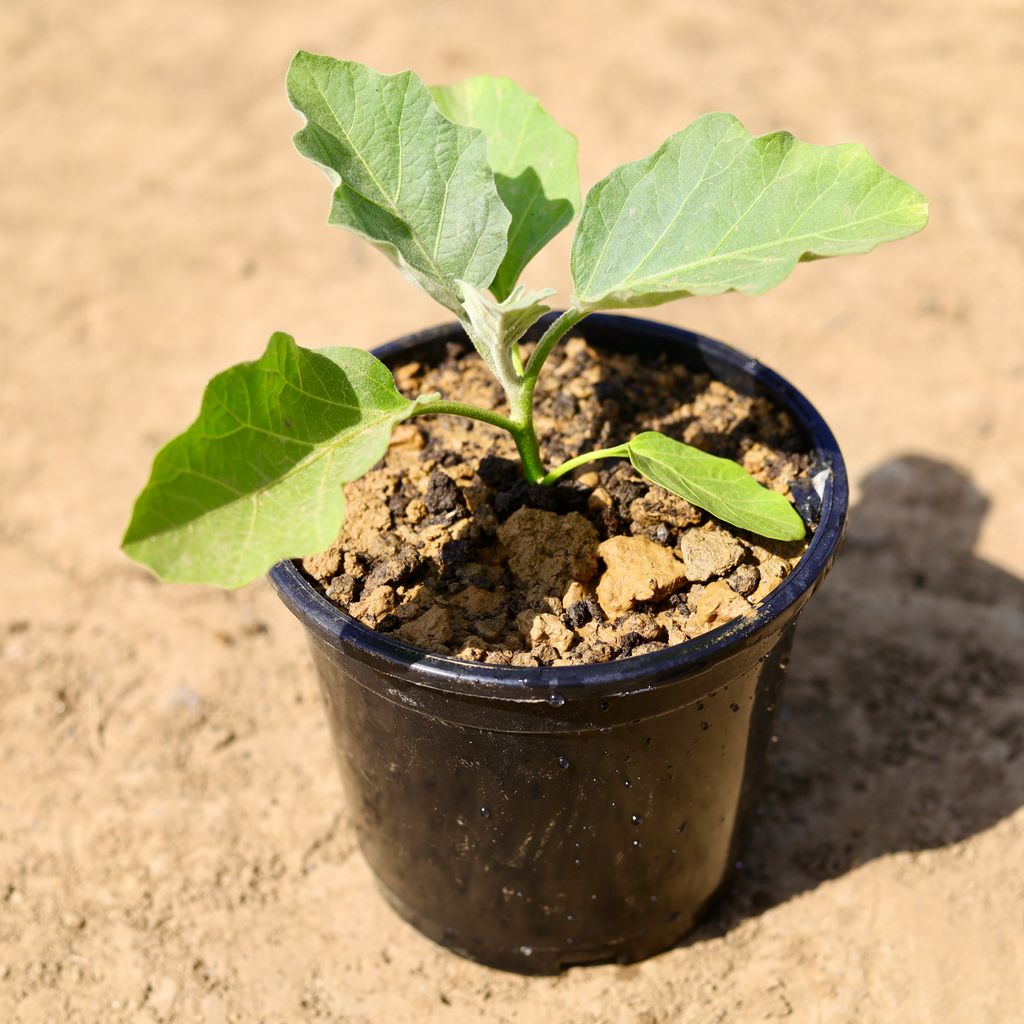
[(902, 724)]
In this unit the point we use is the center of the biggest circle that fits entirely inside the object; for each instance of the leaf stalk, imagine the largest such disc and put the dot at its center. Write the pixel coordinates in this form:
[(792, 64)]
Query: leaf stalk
[(551, 337), (473, 412), (620, 451)]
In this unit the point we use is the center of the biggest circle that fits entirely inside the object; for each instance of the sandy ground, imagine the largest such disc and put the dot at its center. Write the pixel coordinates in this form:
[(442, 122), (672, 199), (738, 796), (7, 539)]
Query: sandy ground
[(173, 840)]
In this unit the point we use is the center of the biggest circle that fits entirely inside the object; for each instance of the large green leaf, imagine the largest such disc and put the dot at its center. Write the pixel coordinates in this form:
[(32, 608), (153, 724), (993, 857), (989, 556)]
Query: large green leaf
[(716, 209), (534, 162), (406, 178), (719, 486), (258, 477), (496, 327)]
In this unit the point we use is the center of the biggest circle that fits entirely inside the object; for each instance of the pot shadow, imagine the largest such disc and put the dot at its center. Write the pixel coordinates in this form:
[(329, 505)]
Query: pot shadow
[(902, 722)]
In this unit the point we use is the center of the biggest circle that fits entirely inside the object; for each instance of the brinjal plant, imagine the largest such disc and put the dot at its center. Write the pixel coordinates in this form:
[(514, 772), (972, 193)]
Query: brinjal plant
[(460, 186)]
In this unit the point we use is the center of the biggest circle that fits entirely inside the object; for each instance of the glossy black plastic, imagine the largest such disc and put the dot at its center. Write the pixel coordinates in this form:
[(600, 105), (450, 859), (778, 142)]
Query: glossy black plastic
[(537, 818)]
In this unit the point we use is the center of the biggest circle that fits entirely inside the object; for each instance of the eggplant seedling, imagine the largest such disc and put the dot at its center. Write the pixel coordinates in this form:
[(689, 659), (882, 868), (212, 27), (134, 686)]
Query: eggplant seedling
[(460, 187)]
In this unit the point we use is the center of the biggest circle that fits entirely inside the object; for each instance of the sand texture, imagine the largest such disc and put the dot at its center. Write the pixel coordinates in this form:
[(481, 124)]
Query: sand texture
[(174, 844)]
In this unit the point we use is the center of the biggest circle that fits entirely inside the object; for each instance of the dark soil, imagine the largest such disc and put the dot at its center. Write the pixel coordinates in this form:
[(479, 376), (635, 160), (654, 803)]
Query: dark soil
[(449, 549)]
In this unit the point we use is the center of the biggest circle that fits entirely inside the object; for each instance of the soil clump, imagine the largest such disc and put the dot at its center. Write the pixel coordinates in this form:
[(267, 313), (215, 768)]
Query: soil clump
[(449, 549)]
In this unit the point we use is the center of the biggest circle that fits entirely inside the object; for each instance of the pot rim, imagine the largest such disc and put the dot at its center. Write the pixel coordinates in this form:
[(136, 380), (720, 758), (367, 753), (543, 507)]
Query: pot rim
[(418, 667)]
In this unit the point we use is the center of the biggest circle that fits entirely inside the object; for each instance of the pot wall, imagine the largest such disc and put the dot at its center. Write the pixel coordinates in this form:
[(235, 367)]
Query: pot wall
[(536, 850), (537, 818)]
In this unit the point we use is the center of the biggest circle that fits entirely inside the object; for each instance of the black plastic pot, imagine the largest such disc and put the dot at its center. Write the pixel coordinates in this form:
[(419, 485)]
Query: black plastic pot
[(537, 818)]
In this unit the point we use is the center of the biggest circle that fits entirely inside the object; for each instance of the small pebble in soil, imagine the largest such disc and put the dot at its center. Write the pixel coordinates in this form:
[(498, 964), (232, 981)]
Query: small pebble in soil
[(578, 614), (443, 495), (342, 589), (744, 579), (393, 571)]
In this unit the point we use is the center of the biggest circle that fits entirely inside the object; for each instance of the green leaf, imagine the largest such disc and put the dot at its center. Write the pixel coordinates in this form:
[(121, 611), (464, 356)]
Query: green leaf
[(495, 327), (715, 209), (415, 185), (719, 486), (258, 477), (534, 162)]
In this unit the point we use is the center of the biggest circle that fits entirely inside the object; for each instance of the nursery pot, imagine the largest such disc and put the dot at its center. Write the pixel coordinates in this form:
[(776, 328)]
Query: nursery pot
[(536, 818)]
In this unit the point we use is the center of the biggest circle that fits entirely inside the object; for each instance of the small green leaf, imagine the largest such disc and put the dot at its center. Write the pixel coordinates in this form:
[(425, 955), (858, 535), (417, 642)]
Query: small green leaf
[(715, 209), (495, 327), (258, 477), (534, 162), (719, 486), (415, 185)]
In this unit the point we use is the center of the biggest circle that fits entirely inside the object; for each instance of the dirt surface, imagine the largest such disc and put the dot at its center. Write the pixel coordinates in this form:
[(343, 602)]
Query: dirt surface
[(173, 841), (445, 545)]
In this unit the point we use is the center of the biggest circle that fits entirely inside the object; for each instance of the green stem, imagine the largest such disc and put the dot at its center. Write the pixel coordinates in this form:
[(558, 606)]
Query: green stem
[(552, 336), (522, 433), (473, 412), (520, 425), (529, 452), (522, 404), (618, 452)]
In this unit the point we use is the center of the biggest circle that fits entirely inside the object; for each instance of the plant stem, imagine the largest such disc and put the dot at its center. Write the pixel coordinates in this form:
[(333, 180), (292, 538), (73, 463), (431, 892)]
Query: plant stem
[(520, 425), (522, 433), (522, 404), (529, 452), (618, 452)]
